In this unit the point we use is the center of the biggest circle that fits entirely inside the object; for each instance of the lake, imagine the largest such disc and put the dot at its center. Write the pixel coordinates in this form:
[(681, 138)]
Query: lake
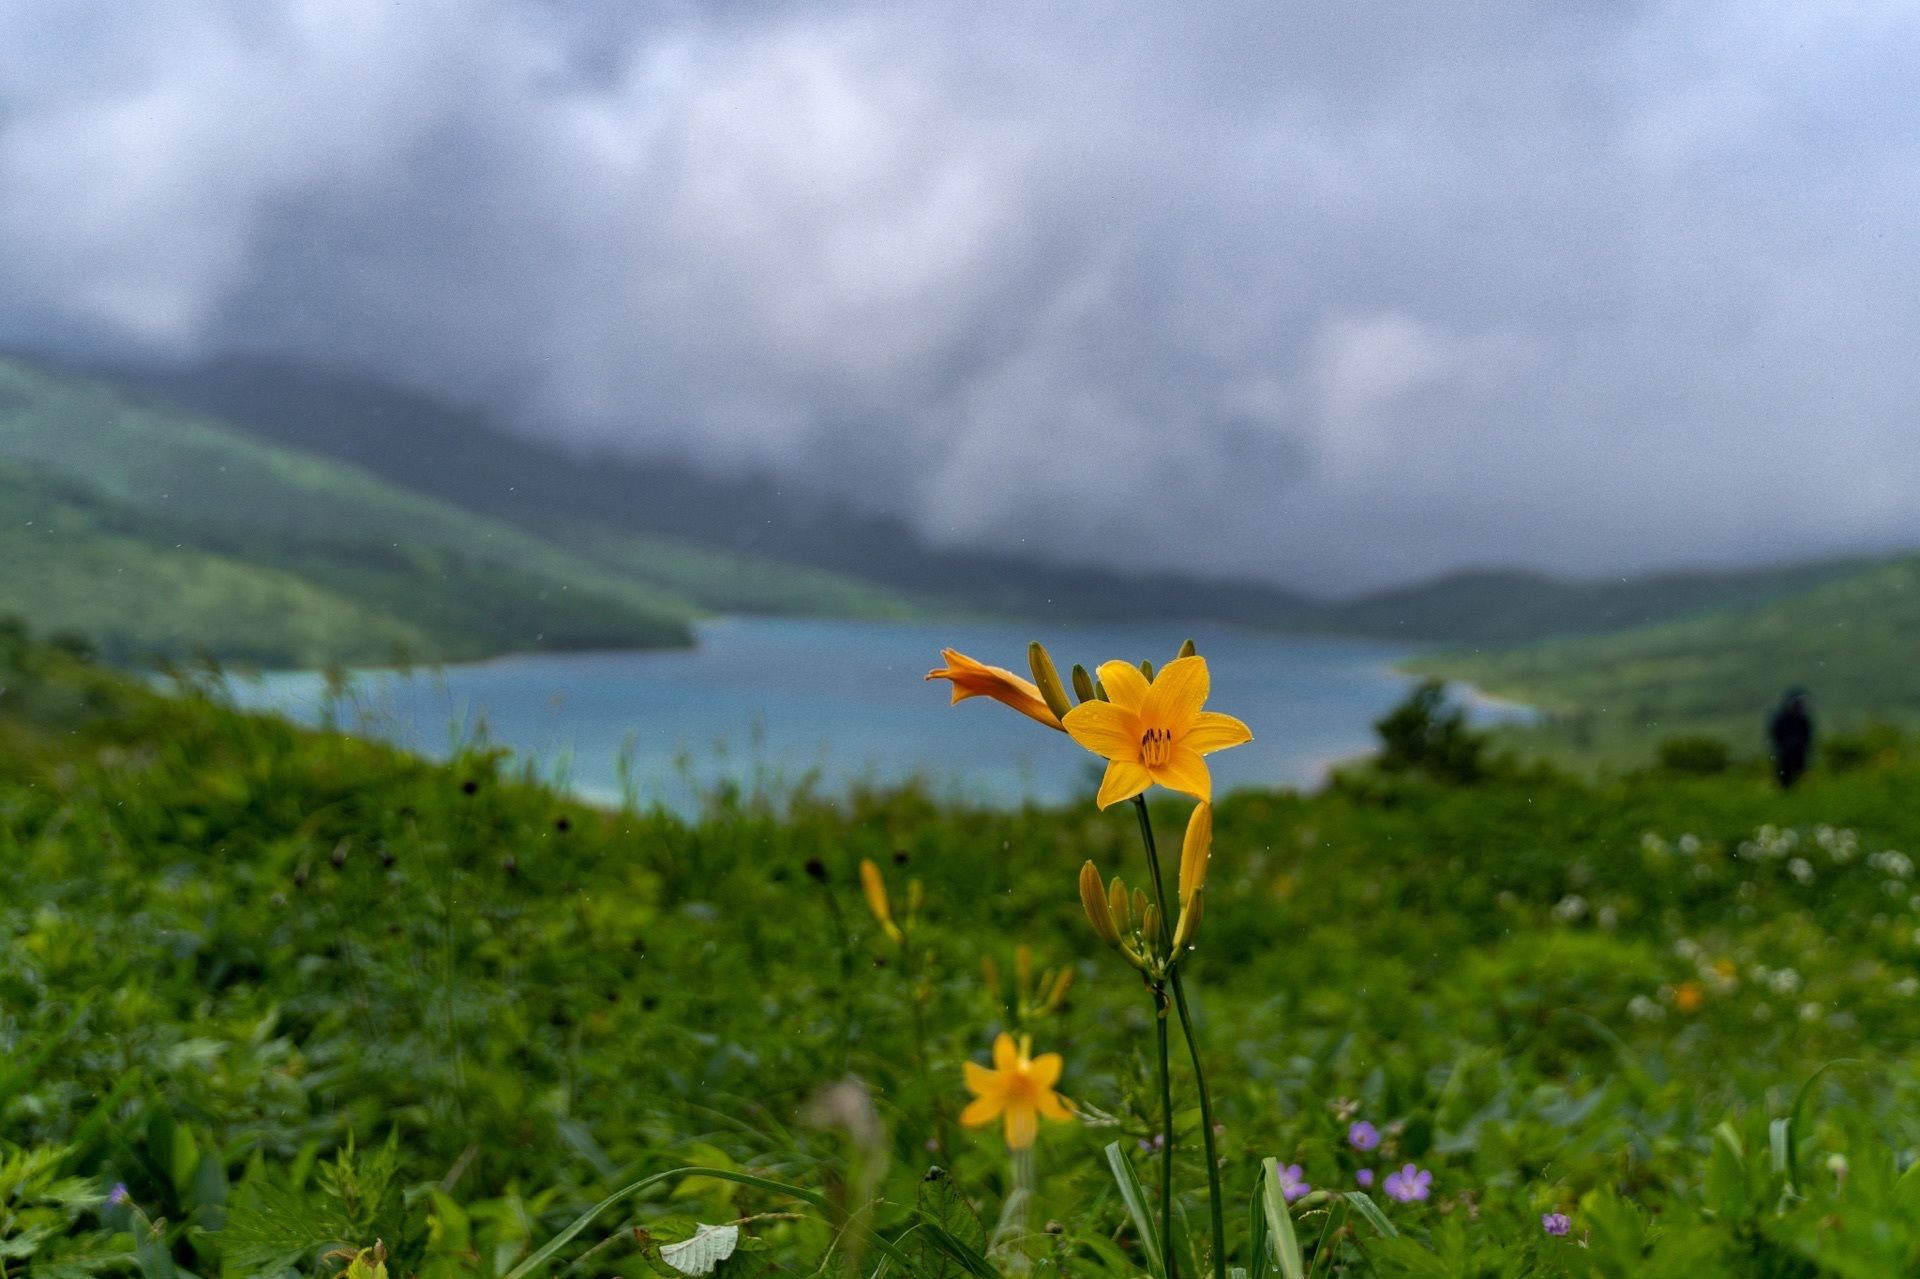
[(769, 703)]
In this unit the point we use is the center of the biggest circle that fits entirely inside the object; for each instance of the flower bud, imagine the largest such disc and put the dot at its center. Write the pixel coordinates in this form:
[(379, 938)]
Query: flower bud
[(1195, 851), (1187, 649), (1189, 924), (875, 889), (1121, 905), (1082, 683), (1146, 668), (1093, 898), (1047, 679)]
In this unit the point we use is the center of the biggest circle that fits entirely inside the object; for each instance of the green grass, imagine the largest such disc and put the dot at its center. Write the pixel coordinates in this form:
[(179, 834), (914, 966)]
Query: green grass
[(1611, 698), (297, 991)]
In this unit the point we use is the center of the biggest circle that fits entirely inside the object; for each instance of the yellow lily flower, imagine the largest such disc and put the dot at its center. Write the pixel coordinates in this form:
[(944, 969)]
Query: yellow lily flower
[(1019, 1086), (977, 679), (1154, 732)]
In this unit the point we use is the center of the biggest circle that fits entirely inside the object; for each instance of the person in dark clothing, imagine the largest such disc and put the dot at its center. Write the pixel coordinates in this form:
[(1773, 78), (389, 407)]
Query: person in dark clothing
[(1791, 732)]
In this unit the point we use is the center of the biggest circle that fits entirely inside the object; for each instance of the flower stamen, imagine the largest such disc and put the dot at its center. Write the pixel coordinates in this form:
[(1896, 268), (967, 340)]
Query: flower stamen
[(1156, 745)]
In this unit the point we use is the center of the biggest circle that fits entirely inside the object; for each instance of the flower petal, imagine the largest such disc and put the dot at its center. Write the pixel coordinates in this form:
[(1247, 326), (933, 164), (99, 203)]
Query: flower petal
[(1177, 694), (1124, 780), (1022, 1124), (981, 1082), (1054, 1106), (1184, 771), (982, 1111), (1105, 729), (976, 679), (1211, 731), (1044, 1070), (1125, 685), (1006, 1055)]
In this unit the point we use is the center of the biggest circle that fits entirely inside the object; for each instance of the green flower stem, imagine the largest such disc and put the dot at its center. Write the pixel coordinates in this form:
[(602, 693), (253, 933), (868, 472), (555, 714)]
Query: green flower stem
[(1166, 1134), (1215, 1205)]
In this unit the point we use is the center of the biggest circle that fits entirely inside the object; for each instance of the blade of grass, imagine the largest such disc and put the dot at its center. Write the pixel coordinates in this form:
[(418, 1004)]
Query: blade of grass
[(1136, 1201), (1364, 1205), (1280, 1236)]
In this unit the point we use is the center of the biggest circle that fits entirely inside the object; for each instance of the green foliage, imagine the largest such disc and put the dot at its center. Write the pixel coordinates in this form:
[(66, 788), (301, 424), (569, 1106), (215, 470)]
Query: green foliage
[(1426, 734), (318, 1005), (1699, 756)]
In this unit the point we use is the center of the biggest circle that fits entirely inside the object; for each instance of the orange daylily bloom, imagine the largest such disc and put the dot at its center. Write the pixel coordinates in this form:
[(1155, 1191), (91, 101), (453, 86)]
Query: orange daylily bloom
[(976, 679), (1018, 1086), (1154, 732)]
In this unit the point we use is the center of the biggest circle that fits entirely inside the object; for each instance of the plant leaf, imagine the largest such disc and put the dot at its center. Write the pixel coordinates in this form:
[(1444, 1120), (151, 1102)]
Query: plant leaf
[(709, 1246), (1136, 1201)]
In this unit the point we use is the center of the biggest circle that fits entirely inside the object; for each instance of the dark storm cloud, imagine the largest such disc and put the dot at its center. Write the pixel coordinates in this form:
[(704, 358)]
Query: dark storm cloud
[(1335, 293)]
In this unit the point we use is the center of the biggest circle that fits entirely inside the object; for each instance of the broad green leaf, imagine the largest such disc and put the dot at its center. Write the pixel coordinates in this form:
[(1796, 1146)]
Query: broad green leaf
[(709, 1246), (1281, 1240)]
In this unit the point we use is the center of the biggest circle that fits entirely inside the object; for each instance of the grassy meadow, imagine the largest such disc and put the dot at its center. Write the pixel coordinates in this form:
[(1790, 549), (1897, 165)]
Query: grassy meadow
[(284, 1003)]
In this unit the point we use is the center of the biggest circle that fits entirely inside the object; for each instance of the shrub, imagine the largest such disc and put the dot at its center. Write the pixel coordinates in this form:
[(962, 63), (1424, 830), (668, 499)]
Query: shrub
[(1427, 734), (1696, 756)]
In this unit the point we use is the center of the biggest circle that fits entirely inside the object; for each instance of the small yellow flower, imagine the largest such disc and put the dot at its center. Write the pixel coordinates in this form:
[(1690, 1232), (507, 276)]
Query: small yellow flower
[(1018, 1086), (1154, 732), (976, 679)]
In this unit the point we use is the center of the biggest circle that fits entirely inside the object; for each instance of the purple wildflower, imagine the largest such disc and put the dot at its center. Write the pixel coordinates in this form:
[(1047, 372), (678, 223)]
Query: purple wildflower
[(1293, 1183), (1363, 1135), (118, 1195), (1555, 1223), (1409, 1184), (1364, 1176)]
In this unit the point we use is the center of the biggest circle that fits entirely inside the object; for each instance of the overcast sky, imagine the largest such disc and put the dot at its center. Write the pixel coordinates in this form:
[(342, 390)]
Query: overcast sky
[(1335, 293)]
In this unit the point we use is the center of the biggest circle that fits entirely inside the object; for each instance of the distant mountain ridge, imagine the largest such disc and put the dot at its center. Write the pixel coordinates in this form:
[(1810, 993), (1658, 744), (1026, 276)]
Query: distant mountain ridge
[(457, 455), (379, 520)]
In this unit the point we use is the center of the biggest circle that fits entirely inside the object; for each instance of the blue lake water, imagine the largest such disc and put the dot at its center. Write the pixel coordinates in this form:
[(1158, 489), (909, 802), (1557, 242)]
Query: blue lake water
[(773, 702)]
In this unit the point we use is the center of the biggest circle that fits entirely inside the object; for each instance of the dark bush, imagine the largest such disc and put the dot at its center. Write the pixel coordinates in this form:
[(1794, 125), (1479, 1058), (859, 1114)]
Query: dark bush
[(1696, 756)]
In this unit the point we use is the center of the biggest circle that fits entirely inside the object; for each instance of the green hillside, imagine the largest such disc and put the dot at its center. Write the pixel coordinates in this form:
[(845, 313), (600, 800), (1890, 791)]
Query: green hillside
[(1853, 642), (1515, 606), (176, 534), (64, 564)]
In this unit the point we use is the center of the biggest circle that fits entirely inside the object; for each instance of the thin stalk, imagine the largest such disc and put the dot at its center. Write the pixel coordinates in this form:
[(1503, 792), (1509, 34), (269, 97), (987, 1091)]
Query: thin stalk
[(1214, 1202), (1216, 1209), (1166, 1134)]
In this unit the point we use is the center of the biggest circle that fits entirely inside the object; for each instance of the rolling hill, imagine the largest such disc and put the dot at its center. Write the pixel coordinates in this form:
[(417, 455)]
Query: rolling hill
[(1850, 640), (158, 532), (603, 505), (1516, 606)]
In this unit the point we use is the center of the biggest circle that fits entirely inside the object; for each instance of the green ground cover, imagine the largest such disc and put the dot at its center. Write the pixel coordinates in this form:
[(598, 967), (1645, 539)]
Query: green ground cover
[(297, 993)]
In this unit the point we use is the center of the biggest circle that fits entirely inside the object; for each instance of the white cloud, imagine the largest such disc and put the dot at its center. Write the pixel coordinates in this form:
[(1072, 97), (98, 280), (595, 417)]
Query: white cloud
[(1337, 295)]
